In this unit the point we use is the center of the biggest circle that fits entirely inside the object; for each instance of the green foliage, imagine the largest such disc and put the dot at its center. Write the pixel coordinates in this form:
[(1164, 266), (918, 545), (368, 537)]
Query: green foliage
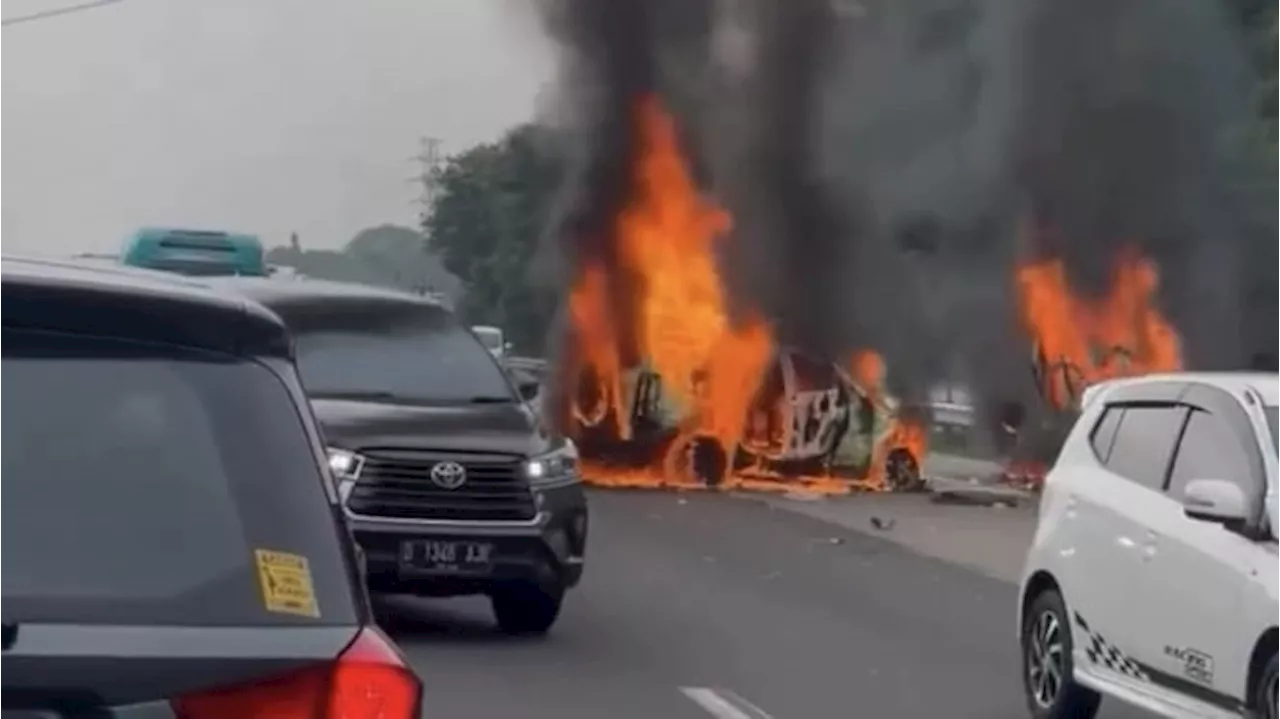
[(493, 203)]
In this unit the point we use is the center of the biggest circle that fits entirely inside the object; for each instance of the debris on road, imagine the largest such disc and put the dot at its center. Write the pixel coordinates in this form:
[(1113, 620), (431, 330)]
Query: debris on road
[(980, 496), (883, 525)]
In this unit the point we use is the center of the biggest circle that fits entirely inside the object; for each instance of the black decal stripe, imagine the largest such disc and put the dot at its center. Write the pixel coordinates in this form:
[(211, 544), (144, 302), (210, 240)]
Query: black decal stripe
[(1189, 688)]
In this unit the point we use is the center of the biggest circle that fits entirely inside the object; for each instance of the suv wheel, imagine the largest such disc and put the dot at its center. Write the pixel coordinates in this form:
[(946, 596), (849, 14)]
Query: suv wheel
[(1264, 700), (523, 609), (1047, 664)]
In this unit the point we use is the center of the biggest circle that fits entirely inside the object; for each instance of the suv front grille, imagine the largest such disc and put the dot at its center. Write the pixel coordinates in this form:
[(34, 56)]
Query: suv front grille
[(397, 483)]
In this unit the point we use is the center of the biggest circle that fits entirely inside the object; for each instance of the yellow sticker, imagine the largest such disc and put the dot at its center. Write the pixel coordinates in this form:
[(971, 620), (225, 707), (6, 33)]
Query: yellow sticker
[(286, 583)]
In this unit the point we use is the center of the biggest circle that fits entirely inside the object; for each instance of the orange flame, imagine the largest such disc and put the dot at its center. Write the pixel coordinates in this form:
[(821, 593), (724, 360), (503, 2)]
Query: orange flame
[(903, 434), (710, 366), (1082, 341), (667, 237)]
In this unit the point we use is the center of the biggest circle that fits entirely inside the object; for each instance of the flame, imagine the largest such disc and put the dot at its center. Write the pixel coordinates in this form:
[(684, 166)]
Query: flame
[(1081, 341), (667, 237), (695, 366), (867, 368), (599, 350)]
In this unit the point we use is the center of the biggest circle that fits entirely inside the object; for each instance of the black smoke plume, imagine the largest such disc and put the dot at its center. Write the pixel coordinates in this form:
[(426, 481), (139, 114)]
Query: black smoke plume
[(752, 140), (880, 157), (1129, 123), (789, 252)]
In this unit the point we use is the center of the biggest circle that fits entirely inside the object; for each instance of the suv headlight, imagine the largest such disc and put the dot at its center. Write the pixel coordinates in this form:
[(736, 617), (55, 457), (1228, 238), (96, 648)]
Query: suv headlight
[(554, 467), (345, 466)]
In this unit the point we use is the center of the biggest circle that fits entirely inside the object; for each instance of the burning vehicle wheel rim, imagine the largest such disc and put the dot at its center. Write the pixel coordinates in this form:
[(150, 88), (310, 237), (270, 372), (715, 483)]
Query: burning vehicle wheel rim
[(902, 471), (1045, 659), (708, 461)]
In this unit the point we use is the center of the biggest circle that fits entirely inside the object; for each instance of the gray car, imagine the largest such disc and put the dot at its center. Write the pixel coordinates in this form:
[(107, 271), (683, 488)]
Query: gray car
[(174, 543)]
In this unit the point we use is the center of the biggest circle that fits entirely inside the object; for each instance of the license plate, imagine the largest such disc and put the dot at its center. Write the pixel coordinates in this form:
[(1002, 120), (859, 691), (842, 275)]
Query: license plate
[(446, 555)]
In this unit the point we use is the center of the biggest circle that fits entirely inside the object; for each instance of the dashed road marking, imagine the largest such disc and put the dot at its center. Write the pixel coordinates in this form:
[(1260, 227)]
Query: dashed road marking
[(723, 703)]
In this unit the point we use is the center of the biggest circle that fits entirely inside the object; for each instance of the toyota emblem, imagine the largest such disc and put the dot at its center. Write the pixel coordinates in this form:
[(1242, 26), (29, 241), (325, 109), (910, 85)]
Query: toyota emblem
[(448, 475)]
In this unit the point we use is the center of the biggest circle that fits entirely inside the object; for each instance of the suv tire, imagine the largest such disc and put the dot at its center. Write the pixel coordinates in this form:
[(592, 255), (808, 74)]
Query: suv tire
[(1264, 693), (526, 608), (1047, 663)]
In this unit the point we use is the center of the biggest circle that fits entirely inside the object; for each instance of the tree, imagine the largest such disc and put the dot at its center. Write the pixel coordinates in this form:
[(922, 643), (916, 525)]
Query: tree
[(491, 206)]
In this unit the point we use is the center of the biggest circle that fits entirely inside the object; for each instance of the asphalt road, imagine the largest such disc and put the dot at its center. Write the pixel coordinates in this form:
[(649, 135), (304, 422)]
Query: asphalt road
[(697, 606)]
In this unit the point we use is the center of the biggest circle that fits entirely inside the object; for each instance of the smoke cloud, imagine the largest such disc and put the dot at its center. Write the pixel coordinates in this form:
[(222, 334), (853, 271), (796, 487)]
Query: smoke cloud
[(1130, 143), (790, 248), (879, 158)]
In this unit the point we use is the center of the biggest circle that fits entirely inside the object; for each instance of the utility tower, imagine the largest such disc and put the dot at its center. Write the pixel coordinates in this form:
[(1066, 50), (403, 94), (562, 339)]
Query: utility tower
[(429, 161)]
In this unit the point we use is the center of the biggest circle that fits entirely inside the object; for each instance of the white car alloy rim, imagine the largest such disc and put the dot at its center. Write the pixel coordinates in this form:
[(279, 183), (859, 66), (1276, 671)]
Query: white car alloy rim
[(1045, 657)]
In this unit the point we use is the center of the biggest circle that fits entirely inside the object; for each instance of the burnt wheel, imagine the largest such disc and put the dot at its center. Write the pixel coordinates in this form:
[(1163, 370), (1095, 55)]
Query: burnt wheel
[(707, 461), (695, 458), (902, 472)]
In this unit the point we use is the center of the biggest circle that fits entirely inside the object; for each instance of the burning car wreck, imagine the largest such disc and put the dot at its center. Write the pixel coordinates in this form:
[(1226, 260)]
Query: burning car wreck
[(666, 382), (1077, 341), (809, 424)]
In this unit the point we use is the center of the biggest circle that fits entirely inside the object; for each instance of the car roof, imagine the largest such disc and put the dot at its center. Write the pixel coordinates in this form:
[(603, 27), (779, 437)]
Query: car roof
[(1264, 384), (270, 291), (146, 305), (311, 305)]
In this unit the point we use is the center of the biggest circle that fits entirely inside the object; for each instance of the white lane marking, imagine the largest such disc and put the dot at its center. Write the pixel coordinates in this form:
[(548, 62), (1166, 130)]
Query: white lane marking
[(723, 704)]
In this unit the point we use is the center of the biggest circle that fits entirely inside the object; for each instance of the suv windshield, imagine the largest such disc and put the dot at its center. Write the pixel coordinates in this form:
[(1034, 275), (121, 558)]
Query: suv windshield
[(140, 480), (427, 358)]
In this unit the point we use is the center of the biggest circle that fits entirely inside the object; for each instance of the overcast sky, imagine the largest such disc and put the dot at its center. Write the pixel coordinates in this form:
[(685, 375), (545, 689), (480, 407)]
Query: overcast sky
[(264, 116)]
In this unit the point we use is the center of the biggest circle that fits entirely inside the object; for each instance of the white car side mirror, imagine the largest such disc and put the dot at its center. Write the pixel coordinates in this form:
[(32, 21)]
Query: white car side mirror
[(1215, 500)]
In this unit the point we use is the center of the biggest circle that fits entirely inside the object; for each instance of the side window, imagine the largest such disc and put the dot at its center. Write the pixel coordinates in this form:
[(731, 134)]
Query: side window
[(1104, 433), (1209, 450), (1144, 443)]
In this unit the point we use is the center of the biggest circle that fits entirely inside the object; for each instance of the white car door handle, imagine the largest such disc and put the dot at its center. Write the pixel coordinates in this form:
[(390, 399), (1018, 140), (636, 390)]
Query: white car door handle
[(1126, 542)]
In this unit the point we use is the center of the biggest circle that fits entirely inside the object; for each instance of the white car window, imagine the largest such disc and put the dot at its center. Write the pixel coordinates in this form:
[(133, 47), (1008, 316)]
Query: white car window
[(1104, 434), (1208, 450), (1144, 443)]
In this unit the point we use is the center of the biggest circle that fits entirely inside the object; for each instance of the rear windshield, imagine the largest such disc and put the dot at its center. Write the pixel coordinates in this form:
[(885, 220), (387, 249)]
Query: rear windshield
[(141, 482), (427, 357)]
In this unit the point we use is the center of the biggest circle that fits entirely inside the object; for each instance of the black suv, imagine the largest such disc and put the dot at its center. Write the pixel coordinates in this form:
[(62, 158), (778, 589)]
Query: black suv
[(172, 540), (451, 484)]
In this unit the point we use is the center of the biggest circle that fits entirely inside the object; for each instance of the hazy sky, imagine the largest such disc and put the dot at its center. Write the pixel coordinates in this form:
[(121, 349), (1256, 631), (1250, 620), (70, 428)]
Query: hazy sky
[(258, 115)]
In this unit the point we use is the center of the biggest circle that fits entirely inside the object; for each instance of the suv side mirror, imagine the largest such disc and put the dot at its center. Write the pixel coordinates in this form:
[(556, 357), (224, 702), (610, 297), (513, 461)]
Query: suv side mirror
[(1215, 500), (528, 390)]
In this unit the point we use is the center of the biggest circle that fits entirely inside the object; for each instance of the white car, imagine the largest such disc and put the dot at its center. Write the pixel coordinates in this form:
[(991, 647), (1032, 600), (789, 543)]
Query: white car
[(1152, 577)]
